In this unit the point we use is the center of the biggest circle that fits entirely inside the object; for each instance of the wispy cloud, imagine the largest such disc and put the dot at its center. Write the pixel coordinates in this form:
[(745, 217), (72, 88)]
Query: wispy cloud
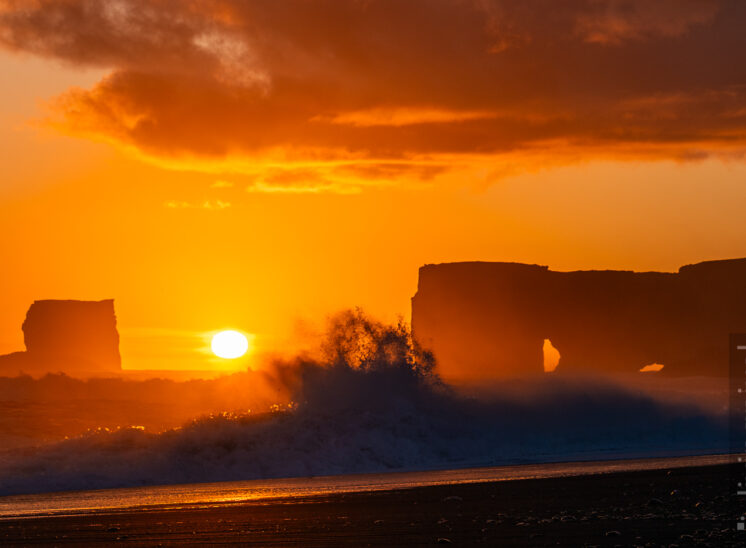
[(207, 204), (397, 117)]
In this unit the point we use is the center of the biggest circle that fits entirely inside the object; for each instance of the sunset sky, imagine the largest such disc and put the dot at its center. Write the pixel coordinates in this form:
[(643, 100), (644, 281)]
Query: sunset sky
[(257, 165)]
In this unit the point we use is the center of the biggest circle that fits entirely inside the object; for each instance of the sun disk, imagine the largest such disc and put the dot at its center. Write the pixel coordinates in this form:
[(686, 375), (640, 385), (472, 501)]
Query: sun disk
[(229, 344)]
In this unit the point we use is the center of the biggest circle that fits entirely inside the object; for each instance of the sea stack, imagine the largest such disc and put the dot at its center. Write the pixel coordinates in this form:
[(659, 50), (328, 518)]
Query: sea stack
[(491, 319), (67, 336)]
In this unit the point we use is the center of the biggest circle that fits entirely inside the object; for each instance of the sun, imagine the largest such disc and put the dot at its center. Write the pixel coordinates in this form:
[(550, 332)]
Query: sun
[(229, 344)]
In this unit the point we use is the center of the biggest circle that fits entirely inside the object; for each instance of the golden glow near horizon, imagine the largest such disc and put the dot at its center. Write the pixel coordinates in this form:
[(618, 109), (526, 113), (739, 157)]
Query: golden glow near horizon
[(229, 344)]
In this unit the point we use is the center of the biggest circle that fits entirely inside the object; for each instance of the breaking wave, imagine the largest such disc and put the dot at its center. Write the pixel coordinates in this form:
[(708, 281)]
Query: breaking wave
[(371, 402)]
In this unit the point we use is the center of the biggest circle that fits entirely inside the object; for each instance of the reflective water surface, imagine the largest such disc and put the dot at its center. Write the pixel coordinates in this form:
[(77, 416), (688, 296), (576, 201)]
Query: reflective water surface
[(206, 494)]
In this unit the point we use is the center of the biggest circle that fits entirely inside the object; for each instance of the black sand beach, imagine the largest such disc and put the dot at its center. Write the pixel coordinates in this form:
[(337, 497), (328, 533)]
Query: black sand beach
[(674, 507)]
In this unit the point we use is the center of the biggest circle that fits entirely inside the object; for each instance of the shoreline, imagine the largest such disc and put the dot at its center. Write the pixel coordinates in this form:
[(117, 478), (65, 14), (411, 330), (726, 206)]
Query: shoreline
[(686, 506), (65, 503)]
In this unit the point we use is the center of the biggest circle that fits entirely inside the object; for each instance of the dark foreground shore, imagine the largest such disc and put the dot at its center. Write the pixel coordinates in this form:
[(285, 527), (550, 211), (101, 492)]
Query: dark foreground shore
[(676, 507)]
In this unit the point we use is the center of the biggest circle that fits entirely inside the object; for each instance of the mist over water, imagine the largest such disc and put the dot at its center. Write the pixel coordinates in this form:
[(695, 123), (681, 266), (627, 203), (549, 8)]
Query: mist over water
[(369, 400)]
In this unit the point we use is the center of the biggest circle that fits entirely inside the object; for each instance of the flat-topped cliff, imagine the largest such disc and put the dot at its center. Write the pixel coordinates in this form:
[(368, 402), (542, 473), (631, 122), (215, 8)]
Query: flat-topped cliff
[(491, 319), (69, 336)]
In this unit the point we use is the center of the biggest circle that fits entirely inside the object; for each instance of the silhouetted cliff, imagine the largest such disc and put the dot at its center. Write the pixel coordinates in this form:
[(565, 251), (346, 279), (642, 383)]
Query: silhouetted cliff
[(490, 319), (67, 336)]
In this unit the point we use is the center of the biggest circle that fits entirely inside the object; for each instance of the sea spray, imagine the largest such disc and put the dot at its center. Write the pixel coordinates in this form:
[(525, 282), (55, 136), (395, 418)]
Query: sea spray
[(369, 400)]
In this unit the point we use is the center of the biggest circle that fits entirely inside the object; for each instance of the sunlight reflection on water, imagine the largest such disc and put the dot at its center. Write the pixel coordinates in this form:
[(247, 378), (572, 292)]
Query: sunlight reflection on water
[(206, 494)]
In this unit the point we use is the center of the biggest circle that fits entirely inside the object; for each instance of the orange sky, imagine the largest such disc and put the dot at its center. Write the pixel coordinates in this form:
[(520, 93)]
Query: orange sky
[(210, 164)]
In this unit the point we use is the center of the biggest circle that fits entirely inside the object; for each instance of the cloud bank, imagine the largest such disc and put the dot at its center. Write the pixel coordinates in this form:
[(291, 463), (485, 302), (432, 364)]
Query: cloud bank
[(346, 89)]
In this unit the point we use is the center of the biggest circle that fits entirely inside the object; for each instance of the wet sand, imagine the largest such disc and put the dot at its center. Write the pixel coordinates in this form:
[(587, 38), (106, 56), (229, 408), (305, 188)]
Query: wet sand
[(674, 507)]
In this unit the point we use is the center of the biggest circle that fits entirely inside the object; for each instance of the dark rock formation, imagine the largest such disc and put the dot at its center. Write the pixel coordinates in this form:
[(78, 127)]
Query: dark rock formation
[(67, 336), (490, 319)]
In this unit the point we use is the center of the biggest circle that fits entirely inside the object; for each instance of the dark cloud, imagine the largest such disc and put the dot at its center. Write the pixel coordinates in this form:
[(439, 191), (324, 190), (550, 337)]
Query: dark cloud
[(615, 21), (380, 81)]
